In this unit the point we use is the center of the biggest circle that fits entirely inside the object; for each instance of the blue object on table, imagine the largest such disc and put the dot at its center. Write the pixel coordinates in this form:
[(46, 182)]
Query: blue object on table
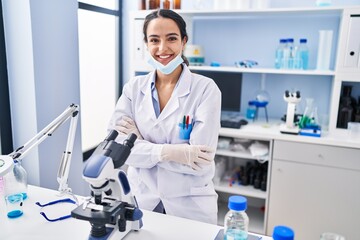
[(66, 200), (260, 104), (283, 233), (215, 64)]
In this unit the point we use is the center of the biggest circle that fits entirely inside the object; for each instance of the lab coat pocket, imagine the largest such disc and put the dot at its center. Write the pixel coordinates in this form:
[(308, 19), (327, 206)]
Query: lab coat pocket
[(206, 199), (184, 131)]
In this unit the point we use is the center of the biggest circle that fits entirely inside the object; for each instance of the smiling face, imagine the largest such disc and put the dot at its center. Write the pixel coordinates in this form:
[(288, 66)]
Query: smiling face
[(164, 40)]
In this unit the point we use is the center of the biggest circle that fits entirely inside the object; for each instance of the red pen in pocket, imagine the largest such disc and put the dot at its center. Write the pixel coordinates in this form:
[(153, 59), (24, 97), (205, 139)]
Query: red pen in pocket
[(187, 121)]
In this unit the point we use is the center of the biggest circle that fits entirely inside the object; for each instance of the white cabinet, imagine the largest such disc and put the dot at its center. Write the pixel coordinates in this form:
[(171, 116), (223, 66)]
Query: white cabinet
[(245, 173), (315, 189)]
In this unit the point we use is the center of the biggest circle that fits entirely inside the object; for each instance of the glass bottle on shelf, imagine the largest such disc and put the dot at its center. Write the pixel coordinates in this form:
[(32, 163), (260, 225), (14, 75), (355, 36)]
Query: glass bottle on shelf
[(166, 4), (142, 4), (303, 55), (346, 109), (177, 4), (279, 54)]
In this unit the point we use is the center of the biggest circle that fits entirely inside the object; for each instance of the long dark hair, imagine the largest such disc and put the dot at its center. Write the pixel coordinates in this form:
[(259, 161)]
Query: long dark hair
[(166, 13)]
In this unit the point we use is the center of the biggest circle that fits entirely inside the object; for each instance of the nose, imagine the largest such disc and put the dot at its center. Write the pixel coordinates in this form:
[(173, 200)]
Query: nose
[(162, 46)]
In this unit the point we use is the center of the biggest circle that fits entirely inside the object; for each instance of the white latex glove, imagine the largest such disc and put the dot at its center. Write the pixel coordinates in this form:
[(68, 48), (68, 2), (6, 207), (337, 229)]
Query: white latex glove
[(126, 126), (192, 155)]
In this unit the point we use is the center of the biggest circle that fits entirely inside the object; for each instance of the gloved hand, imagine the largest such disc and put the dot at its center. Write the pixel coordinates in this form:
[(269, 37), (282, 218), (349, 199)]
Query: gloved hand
[(192, 155), (126, 126)]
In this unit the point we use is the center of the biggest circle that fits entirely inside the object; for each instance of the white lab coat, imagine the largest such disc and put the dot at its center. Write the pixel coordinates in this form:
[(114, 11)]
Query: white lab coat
[(183, 191)]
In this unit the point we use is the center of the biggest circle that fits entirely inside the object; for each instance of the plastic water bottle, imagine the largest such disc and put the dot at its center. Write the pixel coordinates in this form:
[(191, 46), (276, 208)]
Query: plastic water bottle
[(236, 223), (303, 54), (279, 54)]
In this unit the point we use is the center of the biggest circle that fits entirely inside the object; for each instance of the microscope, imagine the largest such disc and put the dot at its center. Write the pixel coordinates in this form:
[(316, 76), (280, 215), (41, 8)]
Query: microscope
[(112, 211), (292, 99)]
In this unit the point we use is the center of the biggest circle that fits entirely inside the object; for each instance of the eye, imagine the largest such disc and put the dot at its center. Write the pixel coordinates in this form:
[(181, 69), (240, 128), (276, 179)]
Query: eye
[(153, 40), (173, 39)]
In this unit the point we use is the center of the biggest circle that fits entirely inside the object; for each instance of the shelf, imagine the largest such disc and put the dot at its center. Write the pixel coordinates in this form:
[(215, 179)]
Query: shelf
[(265, 70), (243, 154), (283, 12), (249, 190), (256, 217)]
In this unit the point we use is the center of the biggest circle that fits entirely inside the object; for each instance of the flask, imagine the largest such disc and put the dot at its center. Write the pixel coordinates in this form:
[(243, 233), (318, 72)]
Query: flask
[(236, 221), (303, 55), (279, 53), (309, 117), (15, 181), (251, 110)]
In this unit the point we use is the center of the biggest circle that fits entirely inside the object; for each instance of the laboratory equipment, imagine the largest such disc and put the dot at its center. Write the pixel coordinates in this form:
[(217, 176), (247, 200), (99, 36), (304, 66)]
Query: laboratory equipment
[(251, 110), (112, 211), (65, 200), (236, 222), (346, 109), (308, 123), (309, 117), (246, 63), (14, 205), (194, 54), (292, 98), (323, 3), (331, 236), (10, 165), (324, 50), (262, 98), (279, 54), (289, 55), (302, 59), (283, 233)]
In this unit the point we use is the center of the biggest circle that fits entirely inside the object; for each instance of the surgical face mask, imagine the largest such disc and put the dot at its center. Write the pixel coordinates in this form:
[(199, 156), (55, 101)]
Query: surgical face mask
[(168, 68)]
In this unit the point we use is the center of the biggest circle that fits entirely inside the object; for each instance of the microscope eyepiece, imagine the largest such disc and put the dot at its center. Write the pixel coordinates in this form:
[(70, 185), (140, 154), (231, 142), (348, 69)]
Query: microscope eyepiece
[(112, 135), (130, 140)]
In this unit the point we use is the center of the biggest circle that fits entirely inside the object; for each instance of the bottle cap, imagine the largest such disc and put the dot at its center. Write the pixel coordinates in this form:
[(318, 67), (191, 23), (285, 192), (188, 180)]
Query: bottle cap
[(283, 233), (237, 203)]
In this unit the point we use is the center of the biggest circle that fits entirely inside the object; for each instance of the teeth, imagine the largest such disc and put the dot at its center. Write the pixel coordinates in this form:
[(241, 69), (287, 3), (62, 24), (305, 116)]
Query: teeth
[(163, 57)]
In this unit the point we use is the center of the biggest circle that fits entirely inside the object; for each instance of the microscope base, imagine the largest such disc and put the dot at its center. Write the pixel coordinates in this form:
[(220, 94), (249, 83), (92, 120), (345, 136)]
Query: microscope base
[(286, 130)]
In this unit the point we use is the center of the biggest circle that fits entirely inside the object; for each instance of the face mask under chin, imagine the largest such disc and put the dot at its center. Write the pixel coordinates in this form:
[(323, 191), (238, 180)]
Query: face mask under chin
[(168, 68)]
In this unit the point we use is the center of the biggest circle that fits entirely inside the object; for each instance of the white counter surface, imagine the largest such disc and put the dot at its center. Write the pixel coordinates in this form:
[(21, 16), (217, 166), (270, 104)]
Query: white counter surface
[(271, 131), (34, 227)]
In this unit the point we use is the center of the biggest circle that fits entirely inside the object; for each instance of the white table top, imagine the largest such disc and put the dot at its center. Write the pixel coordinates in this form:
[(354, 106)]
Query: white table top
[(33, 226)]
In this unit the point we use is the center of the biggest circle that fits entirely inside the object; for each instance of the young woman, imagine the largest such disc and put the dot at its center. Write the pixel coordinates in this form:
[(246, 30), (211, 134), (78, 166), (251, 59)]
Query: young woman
[(176, 116)]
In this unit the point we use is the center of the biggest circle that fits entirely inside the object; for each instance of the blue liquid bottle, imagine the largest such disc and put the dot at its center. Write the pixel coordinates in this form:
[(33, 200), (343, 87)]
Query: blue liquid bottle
[(236, 223), (279, 54), (290, 54), (303, 54)]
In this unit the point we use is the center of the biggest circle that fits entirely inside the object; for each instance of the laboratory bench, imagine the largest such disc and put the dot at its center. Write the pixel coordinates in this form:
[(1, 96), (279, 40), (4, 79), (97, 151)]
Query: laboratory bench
[(31, 225), (306, 178)]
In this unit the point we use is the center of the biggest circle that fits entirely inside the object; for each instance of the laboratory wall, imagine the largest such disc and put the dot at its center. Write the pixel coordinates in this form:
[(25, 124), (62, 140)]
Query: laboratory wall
[(43, 67), (266, 35)]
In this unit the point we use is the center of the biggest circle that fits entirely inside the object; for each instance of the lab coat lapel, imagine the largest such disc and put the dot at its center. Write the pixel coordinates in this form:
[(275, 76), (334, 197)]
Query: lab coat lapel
[(147, 108), (181, 90)]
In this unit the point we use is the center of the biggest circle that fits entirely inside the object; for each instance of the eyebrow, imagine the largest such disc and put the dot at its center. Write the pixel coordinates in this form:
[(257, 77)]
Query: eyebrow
[(167, 35)]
